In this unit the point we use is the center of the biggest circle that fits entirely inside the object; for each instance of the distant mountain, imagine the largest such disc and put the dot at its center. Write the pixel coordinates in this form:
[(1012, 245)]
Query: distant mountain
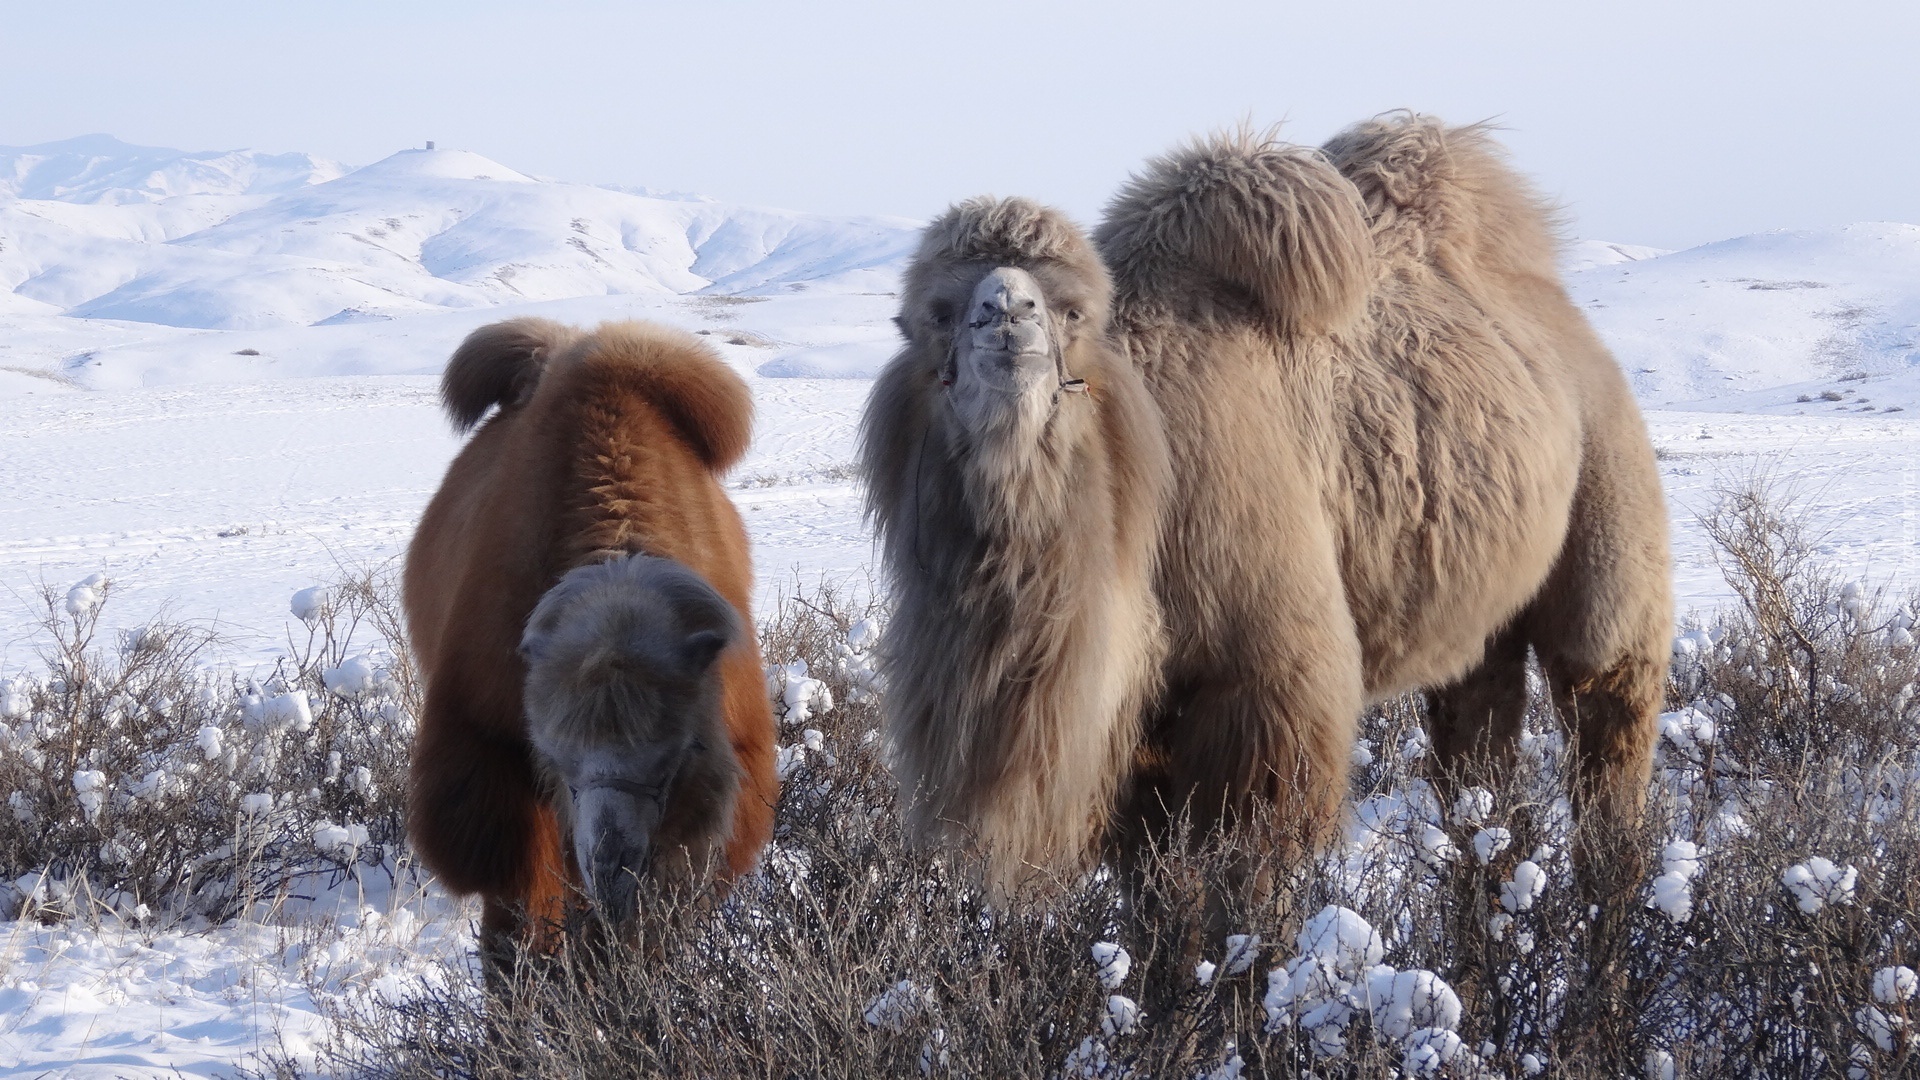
[(1755, 312), (102, 169), (138, 240), (1587, 254), (100, 229)]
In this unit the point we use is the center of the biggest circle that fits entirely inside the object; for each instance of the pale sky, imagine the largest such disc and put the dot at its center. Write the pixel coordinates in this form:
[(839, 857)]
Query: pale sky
[(1664, 123)]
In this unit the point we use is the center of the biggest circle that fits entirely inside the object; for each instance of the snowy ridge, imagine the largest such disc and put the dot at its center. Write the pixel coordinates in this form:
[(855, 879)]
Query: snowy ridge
[(102, 169), (144, 243), (1587, 254), (247, 242), (1787, 309)]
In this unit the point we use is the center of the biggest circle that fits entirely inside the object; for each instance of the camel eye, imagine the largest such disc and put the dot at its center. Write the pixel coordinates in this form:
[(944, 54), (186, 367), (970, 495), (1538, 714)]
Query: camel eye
[(942, 314), (1074, 315)]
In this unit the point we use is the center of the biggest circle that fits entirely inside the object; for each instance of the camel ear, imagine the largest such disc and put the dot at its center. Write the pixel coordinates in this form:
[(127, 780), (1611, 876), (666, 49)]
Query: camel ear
[(701, 648), (532, 647)]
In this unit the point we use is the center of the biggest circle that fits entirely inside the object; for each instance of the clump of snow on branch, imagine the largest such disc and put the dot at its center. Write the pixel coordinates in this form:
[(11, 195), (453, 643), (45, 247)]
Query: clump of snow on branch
[(86, 595), (1673, 888), (1529, 881), (796, 695), (1111, 963), (897, 1006), (1819, 882)]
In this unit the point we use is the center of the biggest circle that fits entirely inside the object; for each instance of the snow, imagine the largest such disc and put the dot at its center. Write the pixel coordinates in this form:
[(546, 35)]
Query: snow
[(1672, 888), (1342, 938), (799, 695), (1893, 985), (1819, 882), (1123, 1016), (1403, 1002), (1242, 949), (96, 169), (351, 677), (420, 231), (308, 604), (1490, 842), (1529, 881), (898, 1005), (1743, 323), (218, 381), (1111, 963), (1472, 806), (1338, 975), (122, 1000)]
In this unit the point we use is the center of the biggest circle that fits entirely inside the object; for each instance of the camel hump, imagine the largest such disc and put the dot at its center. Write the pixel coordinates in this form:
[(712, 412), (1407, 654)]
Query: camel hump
[(1432, 191), (1273, 219), (499, 364), (682, 376)]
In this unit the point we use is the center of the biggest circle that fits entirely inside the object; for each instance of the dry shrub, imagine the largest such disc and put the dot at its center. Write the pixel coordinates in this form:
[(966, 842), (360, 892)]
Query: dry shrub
[(143, 782), (1792, 740), (851, 954)]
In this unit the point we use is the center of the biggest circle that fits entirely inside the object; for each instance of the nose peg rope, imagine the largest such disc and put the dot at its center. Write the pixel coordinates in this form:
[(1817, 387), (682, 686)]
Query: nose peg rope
[(1065, 383)]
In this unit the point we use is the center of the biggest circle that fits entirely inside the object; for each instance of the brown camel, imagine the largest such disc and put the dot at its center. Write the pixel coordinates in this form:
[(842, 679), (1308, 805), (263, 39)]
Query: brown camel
[(577, 595)]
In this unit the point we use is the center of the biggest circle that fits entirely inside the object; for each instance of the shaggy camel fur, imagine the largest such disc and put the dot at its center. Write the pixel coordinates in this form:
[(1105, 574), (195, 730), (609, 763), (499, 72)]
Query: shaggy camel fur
[(1015, 470), (605, 449), (1400, 458)]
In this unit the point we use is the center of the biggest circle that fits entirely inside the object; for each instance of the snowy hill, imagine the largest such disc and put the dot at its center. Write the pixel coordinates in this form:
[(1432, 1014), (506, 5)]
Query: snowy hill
[(148, 245), (102, 169), (1755, 321), (102, 230), (1587, 254)]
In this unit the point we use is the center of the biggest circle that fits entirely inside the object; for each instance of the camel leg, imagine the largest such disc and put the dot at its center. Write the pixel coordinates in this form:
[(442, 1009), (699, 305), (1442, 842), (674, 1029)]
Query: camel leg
[(1264, 743), (1271, 752), (534, 919), (1603, 624), (1475, 723), (1603, 627)]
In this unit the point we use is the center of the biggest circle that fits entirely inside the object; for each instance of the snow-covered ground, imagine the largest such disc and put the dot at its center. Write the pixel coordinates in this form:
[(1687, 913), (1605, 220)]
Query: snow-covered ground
[(217, 379)]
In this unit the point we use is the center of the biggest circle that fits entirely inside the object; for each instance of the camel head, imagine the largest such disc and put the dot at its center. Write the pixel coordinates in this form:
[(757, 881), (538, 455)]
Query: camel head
[(623, 704), (1001, 299)]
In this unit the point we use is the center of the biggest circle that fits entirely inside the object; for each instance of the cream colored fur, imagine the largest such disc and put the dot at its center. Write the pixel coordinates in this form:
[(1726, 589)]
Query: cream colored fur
[(1370, 494), (1400, 459), (1024, 640)]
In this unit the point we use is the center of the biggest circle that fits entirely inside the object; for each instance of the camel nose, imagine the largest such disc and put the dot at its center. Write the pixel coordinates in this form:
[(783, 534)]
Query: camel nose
[(613, 843), (1009, 313)]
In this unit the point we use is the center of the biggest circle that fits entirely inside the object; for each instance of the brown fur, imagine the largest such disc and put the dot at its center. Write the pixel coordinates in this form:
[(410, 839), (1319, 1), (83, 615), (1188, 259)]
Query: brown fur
[(1399, 459), (1024, 638), (604, 443)]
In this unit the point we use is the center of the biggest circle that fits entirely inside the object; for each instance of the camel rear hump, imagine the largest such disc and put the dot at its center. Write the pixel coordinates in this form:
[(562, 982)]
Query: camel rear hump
[(1273, 220), (707, 403), (505, 363), (1446, 194)]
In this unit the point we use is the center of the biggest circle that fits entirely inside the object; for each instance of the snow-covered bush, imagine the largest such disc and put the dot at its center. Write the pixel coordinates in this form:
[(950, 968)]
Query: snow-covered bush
[(136, 769)]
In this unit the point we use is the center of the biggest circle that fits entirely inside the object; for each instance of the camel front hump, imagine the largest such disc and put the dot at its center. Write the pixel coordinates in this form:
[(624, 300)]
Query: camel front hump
[(577, 592)]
